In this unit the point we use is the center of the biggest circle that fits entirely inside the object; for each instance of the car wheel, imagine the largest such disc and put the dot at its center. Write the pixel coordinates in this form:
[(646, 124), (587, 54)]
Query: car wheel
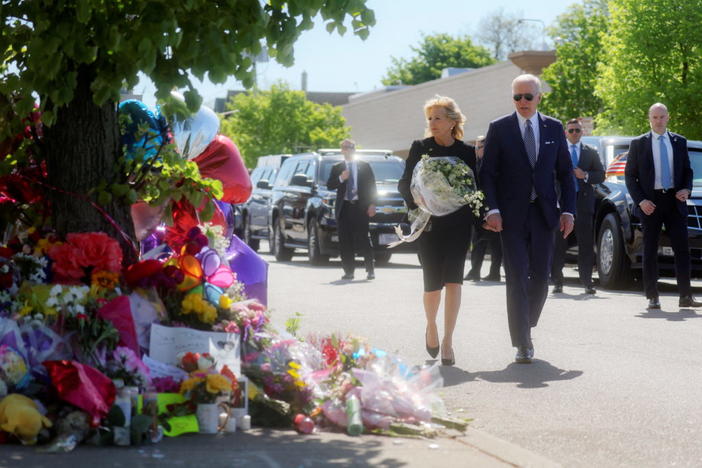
[(281, 253), (253, 243), (613, 265), (313, 249), (382, 258)]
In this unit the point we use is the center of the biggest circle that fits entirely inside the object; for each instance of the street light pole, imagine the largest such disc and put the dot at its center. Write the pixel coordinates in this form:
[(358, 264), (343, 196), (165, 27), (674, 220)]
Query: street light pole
[(543, 29)]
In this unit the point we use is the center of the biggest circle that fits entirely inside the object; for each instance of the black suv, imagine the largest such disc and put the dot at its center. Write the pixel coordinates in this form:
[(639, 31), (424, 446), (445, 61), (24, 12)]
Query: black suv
[(254, 212), (618, 235), (302, 208)]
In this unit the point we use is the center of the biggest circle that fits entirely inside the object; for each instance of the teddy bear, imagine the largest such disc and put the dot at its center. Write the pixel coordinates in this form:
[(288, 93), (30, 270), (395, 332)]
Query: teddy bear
[(19, 415)]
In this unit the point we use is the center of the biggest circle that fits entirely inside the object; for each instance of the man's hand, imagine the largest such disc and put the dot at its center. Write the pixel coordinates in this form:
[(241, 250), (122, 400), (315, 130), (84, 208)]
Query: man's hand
[(579, 173), (494, 222), (648, 207), (371, 210), (344, 175), (566, 224), (682, 195)]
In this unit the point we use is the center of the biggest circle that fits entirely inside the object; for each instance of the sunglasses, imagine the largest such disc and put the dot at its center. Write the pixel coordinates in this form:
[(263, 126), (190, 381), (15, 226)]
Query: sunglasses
[(527, 96), (574, 130)]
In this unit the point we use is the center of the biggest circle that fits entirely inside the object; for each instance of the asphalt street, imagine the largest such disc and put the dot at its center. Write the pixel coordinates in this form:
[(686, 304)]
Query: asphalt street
[(612, 384)]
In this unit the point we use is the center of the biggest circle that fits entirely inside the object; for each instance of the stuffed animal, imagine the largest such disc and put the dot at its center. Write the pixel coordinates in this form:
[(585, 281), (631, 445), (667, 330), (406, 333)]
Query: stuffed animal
[(19, 415)]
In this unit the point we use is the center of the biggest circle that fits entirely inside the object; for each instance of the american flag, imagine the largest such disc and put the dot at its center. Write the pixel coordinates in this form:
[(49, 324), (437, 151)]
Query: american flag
[(616, 167)]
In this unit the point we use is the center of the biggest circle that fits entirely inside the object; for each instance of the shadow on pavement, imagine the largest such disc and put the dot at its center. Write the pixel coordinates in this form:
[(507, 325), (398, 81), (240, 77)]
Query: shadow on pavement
[(679, 316), (534, 375), (260, 447), (454, 375)]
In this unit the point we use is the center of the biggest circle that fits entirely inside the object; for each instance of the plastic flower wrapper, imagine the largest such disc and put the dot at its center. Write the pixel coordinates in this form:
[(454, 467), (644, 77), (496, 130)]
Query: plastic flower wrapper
[(83, 386), (124, 364), (248, 318), (440, 186), (281, 369), (42, 343), (13, 369)]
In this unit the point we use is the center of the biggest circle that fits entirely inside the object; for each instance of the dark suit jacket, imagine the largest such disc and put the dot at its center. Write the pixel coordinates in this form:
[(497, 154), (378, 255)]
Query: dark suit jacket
[(589, 162), (507, 176), (640, 173), (366, 188)]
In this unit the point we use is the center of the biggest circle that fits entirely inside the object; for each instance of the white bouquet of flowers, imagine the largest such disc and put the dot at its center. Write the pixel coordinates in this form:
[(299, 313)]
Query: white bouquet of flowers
[(440, 186)]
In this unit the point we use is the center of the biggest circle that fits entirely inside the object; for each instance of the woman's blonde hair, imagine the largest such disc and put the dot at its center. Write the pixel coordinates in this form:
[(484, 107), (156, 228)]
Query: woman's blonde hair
[(452, 110)]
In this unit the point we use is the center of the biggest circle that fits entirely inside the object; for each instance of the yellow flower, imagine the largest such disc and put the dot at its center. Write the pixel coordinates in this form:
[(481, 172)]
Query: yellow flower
[(217, 383), (26, 310), (105, 279), (225, 301), (189, 384), (295, 365)]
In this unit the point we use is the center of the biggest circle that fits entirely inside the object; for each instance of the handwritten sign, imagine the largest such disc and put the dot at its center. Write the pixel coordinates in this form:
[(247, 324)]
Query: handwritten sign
[(167, 343)]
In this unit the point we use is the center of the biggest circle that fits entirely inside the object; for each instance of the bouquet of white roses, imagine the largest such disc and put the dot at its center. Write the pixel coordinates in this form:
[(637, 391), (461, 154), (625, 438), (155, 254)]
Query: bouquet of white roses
[(440, 186)]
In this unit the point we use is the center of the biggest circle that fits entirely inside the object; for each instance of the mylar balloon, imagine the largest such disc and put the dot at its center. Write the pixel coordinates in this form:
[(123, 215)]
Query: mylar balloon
[(133, 138), (222, 277), (209, 259), (222, 161), (193, 134)]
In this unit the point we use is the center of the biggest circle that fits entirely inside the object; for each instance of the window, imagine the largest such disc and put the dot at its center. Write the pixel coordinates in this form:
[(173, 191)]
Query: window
[(286, 172)]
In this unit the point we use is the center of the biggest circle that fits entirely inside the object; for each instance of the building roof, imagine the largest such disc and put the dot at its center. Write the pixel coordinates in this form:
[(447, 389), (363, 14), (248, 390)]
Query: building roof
[(333, 98)]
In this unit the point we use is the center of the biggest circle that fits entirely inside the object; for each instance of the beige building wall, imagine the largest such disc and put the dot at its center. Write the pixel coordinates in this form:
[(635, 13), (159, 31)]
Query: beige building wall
[(393, 120)]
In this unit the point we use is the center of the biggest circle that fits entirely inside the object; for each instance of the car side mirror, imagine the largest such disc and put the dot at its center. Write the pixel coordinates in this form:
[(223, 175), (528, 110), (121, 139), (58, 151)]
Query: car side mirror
[(301, 180), (263, 184)]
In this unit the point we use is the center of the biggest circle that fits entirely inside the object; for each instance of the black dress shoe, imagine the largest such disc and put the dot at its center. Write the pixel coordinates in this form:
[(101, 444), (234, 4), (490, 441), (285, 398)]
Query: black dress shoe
[(371, 275), (590, 290), (524, 355), (495, 278), (557, 289), (689, 301), (347, 276), (654, 303), (448, 361), (472, 277), (433, 351)]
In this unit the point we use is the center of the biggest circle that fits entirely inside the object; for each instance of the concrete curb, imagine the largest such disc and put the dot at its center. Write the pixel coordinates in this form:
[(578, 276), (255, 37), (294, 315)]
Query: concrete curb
[(504, 451)]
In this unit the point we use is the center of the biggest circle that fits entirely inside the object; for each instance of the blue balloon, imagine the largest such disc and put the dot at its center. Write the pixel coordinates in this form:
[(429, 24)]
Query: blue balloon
[(155, 136)]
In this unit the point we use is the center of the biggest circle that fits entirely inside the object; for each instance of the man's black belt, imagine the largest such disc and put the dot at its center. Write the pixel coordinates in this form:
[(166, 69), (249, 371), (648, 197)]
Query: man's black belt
[(664, 191)]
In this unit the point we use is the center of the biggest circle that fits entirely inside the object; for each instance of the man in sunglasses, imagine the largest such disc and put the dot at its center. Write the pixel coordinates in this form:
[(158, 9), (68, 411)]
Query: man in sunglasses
[(587, 171), (523, 153), (659, 179)]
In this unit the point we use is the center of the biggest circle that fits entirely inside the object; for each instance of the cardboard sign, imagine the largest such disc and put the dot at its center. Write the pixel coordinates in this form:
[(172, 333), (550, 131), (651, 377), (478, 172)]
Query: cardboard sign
[(167, 343)]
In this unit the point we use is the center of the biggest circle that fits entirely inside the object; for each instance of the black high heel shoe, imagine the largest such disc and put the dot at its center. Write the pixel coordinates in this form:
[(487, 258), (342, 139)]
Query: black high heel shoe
[(433, 352), (448, 361)]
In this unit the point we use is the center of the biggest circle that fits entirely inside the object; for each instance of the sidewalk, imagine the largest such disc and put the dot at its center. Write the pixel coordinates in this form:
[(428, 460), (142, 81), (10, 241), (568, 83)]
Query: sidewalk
[(286, 448)]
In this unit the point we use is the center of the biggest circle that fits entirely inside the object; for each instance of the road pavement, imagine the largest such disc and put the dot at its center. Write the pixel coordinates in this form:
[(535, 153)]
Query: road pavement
[(612, 384)]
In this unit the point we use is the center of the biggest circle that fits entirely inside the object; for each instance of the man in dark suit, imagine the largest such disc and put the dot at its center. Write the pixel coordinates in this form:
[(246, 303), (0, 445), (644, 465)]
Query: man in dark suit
[(355, 204), (659, 179), (587, 171), (523, 153), (482, 238)]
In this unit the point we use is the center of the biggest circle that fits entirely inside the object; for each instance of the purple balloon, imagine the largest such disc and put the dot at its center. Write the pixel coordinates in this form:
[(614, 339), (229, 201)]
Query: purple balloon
[(250, 269), (209, 260)]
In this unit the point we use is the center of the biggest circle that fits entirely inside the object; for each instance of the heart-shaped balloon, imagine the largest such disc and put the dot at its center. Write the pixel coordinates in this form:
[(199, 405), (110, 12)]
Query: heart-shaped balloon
[(221, 160), (223, 277), (212, 293), (210, 260), (190, 266)]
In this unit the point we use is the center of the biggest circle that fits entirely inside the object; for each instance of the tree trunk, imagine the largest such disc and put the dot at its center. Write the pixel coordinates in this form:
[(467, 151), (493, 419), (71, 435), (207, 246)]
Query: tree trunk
[(82, 149)]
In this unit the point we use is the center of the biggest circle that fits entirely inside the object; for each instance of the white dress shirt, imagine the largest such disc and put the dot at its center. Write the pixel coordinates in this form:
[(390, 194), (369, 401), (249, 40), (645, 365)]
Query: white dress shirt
[(656, 147)]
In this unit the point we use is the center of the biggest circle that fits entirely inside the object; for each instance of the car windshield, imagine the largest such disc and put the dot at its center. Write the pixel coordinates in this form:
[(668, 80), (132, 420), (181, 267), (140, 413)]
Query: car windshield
[(386, 171), (696, 164)]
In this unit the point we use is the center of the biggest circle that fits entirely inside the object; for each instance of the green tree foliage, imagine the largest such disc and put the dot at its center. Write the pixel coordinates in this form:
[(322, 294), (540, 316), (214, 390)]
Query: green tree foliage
[(652, 54), (281, 120), (434, 53), (76, 55), (578, 35)]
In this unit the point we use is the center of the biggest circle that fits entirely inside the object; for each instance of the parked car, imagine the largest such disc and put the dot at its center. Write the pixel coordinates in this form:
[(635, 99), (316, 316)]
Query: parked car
[(254, 213), (618, 234), (302, 208)]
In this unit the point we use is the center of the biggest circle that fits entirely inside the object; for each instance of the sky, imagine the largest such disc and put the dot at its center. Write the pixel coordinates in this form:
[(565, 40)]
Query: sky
[(349, 64)]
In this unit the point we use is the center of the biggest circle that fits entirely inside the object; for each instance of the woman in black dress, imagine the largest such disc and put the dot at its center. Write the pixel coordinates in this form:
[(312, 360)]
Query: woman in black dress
[(444, 243)]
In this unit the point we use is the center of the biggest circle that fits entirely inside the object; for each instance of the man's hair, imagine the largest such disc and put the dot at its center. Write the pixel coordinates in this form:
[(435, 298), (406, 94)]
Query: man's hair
[(573, 122), (656, 105), (480, 138), (347, 141), (528, 78)]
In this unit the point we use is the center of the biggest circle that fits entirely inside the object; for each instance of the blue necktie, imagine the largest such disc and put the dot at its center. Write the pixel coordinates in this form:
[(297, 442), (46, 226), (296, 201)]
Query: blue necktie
[(666, 179), (530, 145), (574, 158)]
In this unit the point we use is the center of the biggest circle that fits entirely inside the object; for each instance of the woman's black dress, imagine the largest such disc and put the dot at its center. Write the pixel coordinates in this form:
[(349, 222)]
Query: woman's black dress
[(444, 243)]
